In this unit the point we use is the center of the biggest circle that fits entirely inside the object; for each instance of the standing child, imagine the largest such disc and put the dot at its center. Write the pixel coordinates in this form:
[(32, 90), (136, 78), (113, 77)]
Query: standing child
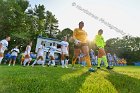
[(14, 53)]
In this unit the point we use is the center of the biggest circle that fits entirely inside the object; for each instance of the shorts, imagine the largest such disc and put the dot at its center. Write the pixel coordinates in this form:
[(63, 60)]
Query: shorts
[(51, 54), (101, 52), (27, 56), (77, 46), (84, 44), (65, 52), (13, 57)]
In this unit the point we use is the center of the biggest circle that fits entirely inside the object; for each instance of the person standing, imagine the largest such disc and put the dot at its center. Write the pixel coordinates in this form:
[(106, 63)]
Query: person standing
[(27, 57), (14, 54), (3, 47), (64, 53), (100, 43), (51, 52), (80, 37), (40, 55)]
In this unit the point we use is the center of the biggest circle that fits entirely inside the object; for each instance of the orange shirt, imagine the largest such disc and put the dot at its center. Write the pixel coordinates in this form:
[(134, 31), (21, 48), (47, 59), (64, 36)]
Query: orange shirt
[(80, 35)]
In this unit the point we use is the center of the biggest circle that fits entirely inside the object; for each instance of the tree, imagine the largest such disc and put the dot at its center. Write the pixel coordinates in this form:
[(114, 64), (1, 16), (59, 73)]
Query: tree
[(127, 47), (51, 25)]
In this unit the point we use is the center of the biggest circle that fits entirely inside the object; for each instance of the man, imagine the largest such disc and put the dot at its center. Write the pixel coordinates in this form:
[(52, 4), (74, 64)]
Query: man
[(3, 47), (64, 52), (100, 43), (40, 55), (80, 38)]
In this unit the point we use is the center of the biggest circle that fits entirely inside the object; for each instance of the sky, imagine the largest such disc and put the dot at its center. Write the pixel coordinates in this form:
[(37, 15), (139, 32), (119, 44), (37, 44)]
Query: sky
[(122, 14)]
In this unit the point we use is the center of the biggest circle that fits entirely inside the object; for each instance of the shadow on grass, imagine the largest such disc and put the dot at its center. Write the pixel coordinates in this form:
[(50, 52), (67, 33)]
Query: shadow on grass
[(123, 83), (40, 80)]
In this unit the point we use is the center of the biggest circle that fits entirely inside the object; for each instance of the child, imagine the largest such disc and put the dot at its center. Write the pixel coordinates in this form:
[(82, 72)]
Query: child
[(14, 54)]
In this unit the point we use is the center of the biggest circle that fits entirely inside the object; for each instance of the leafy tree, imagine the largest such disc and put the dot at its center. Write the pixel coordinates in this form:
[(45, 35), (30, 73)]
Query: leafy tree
[(51, 25)]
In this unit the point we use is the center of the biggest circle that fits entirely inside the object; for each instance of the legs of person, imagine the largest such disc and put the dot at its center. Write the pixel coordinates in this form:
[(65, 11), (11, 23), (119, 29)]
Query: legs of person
[(83, 61), (66, 60), (85, 51), (14, 60), (62, 60), (10, 61), (42, 61), (1, 57), (53, 60), (29, 61), (102, 57), (35, 61), (76, 54), (26, 60)]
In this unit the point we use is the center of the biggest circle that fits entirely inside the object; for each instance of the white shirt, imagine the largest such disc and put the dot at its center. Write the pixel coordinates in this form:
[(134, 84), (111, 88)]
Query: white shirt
[(15, 52), (64, 46), (4, 45), (52, 49), (28, 50), (41, 50)]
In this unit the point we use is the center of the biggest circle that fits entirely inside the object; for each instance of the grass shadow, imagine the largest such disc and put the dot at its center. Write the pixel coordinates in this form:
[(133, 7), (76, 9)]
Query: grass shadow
[(39, 80), (123, 83)]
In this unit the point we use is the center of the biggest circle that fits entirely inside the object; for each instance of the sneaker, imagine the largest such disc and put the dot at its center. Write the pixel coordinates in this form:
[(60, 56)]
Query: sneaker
[(98, 67), (43, 66), (13, 64), (109, 67), (91, 70), (9, 65)]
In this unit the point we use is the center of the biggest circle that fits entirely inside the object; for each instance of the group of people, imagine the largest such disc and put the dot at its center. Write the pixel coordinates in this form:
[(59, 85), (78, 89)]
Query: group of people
[(80, 49), (81, 46), (41, 53)]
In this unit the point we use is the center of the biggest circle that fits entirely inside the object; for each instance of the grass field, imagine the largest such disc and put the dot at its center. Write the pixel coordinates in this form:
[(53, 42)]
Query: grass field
[(37, 79)]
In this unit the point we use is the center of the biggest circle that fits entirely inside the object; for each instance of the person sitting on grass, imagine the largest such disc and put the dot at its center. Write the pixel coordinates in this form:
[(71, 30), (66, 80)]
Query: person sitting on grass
[(14, 55)]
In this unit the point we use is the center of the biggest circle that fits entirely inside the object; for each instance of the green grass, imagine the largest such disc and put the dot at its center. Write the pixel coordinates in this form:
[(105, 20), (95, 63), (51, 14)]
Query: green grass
[(37, 79)]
